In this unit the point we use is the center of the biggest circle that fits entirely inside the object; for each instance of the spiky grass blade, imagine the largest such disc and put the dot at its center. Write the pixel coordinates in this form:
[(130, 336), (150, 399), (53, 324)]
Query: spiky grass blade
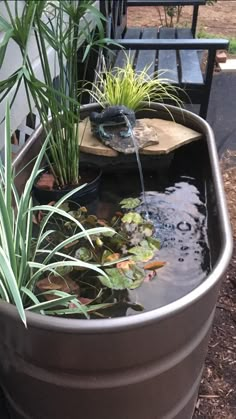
[(11, 283), (64, 243), (68, 262)]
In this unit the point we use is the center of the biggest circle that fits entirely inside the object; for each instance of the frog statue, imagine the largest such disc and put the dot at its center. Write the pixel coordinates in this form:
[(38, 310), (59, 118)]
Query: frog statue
[(117, 128), (112, 121)]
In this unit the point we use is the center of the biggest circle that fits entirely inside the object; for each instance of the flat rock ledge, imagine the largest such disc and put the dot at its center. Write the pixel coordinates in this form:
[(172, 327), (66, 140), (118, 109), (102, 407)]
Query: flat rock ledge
[(167, 137)]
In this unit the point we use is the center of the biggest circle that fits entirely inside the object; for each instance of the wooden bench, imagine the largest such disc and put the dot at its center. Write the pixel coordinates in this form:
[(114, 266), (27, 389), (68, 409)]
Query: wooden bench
[(172, 50)]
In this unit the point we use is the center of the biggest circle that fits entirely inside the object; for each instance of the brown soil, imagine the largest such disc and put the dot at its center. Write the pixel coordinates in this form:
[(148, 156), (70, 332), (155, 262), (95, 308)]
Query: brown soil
[(219, 19), (217, 393)]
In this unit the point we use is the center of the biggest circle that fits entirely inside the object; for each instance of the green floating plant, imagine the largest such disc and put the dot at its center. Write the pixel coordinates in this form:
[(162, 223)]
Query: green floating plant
[(127, 257), (132, 217), (130, 203), (119, 279)]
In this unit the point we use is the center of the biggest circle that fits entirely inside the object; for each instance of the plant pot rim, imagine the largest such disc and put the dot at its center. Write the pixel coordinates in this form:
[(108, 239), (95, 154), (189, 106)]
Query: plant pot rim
[(69, 187), (158, 314)]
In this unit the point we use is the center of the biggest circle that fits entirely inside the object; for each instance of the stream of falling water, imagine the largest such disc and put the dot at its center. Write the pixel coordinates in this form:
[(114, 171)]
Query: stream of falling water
[(139, 165)]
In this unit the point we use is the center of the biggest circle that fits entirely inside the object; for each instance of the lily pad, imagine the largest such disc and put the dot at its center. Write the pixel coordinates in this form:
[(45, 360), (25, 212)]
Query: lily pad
[(141, 253), (138, 277), (109, 256), (132, 217), (84, 254), (154, 243), (130, 203), (125, 265), (147, 230), (121, 279), (116, 279)]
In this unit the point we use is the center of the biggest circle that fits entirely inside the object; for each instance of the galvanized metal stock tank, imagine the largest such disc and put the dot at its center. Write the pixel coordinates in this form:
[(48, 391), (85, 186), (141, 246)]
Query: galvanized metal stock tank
[(146, 366)]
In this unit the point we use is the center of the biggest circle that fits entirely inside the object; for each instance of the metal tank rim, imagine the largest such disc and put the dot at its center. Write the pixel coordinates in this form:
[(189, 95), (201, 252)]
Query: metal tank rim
[(115, 325)]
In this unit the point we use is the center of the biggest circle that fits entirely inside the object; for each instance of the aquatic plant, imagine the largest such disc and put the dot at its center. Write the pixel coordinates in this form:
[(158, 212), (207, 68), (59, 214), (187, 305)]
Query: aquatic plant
[(128, 258)]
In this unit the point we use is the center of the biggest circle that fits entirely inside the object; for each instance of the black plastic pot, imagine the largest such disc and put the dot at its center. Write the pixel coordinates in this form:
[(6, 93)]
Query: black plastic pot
[(145, 366), (3, 407), (90, 177)]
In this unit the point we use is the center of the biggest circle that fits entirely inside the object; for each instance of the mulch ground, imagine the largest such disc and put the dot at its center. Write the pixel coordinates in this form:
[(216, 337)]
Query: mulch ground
[(217, 393), (219, 19)]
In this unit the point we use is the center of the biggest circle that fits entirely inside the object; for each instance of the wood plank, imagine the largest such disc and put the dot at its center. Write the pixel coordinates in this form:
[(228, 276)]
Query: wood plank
[(147, 57), (131, 33), (191, 72), (167, 59), (165, 44)]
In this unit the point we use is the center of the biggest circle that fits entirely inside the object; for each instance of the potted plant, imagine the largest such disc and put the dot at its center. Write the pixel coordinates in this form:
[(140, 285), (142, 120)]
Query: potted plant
[(25, 244), (65, 27)]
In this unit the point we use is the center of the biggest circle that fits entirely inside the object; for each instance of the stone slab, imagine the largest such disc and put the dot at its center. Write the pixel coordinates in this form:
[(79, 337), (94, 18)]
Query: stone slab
[(229, 65), (169, 134)]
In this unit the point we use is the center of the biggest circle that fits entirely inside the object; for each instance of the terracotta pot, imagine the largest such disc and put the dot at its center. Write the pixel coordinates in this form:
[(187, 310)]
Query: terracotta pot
[(90, 175)]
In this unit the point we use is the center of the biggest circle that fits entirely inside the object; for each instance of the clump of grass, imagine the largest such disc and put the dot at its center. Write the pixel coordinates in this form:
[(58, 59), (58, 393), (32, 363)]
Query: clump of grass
[(124, 86), (232, 46), (232, 40)]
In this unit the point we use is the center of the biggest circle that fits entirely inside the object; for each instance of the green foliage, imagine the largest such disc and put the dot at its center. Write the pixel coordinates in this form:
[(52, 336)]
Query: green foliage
[(125, 256), (130, 203), (118, 279), (132, 217), (232, 46), (64, 27), (142, 252), (232, 40), (211, 2), (24, 258), (123, 86)]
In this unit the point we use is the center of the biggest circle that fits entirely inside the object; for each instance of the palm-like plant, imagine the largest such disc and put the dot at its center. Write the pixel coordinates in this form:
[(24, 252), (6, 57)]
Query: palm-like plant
[(64, 27)]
